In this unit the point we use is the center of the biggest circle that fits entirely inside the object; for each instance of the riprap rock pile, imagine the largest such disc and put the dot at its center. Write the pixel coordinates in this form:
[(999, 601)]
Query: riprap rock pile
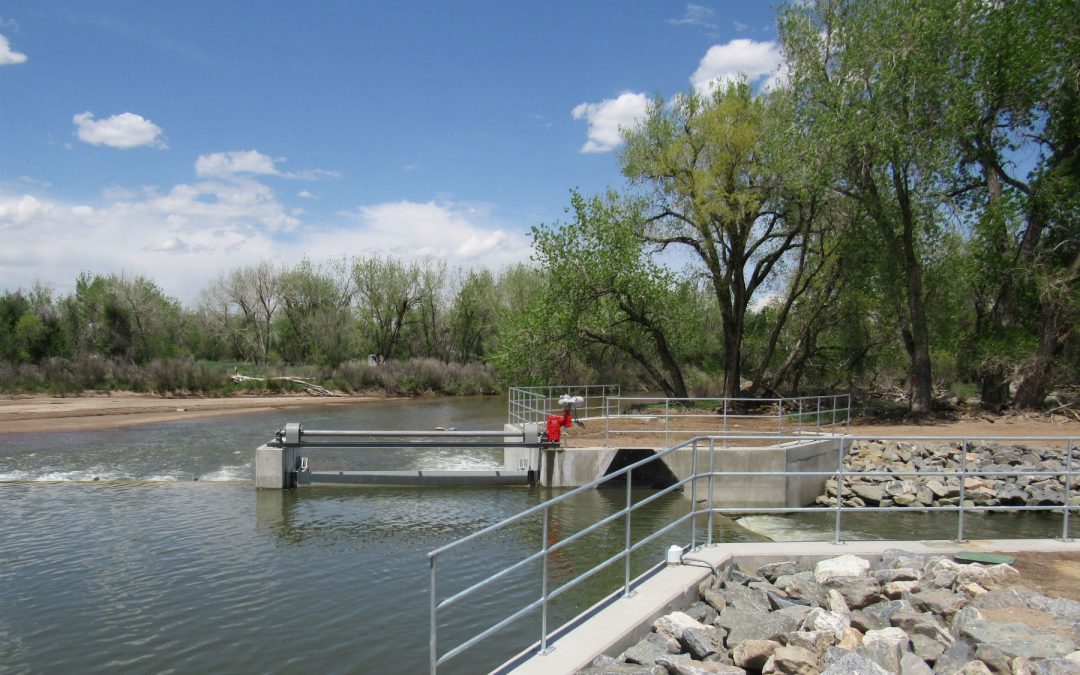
[(906, 614)]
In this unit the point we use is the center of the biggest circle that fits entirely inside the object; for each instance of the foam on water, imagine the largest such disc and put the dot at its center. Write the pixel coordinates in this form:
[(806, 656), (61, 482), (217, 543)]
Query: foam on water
[(229, 473)]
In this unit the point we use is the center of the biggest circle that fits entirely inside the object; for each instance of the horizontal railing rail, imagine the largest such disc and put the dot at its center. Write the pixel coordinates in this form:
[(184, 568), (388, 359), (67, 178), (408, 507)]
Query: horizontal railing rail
[(703, 475), (534, 404)]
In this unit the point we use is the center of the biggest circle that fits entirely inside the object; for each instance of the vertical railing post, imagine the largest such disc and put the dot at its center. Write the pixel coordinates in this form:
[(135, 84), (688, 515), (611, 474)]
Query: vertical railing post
[(626, 551), (817, 416), (544, 585), (839, 490), (712, 468), (800, 427), (1068, 490), (780, 416), (963, 490), (667, 420), (433, 648), (725, 422), (693, 494), (607, 422)]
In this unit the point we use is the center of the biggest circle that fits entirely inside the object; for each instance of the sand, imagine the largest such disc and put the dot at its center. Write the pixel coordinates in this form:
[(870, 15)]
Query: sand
[(27, 414)]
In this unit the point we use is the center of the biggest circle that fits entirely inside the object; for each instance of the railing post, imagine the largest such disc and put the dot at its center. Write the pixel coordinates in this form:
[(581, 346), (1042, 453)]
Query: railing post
[(712, 454), (607, 421), (725, 421), (963, 490), (817, 417), (667, 420), (780, 415), (1068, 490), (433, 648), (626, 551), (544, 586), (839, 491), (693, 494), (800, 415)]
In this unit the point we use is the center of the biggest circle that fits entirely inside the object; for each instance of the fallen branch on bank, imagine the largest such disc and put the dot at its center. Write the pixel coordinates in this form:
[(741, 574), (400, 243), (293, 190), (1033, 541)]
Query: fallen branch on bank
[(313, 389)]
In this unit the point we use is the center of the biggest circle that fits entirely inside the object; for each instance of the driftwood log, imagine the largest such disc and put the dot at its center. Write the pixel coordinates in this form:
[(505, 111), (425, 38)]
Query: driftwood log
[(313, 389)]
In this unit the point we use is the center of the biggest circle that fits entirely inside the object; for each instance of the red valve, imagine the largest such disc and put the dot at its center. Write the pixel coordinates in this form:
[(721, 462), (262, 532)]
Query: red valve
[(555, 424)]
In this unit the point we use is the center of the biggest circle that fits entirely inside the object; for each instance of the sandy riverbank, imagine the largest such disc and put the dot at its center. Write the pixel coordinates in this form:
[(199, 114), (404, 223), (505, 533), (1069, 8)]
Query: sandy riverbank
[(25, 414)]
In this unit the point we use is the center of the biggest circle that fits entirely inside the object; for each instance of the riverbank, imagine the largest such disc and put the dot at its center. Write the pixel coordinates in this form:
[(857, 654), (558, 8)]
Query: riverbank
[(30, 414)]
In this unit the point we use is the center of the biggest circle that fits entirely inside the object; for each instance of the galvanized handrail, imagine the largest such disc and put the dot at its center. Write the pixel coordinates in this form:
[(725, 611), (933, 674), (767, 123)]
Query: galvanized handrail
[(534, 404), (709, 444)]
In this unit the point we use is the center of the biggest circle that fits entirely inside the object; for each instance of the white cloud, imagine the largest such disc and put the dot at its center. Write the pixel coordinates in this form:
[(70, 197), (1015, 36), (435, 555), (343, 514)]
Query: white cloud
[(220, 164), (725, 63), (186, 235), (696, 15), (9, 57), (459, 233), (253, 163), (305, 194), (608, 117), (126, 130)]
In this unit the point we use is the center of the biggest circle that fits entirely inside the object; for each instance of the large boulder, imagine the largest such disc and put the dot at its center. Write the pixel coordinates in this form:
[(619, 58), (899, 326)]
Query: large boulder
[(841, 566)]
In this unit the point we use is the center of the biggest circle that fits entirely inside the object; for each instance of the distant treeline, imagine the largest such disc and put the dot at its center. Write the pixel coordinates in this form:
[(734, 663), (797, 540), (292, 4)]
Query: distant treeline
[(898, 210)]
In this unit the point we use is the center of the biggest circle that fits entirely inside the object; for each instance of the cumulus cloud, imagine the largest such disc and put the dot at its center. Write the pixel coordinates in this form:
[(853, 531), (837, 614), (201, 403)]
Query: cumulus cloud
[(727, 62), (8, 56), (185, 235), (219, 164), (695, 15), (608, 117), (252, 163), (459, 233), (126, 130)]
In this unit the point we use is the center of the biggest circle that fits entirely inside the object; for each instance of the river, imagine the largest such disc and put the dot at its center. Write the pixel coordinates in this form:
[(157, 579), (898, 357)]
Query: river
[(147, 549)]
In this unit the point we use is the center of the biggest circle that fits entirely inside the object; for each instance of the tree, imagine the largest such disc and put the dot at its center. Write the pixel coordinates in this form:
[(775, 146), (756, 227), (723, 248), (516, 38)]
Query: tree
[(706, 159), (388, 291), (604, 288), (316, 322), (873, 90), (473, 314), (244, 303)]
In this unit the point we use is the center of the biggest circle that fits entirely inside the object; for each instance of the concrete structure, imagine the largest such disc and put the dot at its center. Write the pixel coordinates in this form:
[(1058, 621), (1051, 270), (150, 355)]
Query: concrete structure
[(617, 623), (571, 467)]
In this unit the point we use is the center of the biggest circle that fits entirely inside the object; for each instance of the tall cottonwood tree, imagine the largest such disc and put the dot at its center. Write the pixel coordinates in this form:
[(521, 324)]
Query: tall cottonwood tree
[(873, 90), (706, 158)]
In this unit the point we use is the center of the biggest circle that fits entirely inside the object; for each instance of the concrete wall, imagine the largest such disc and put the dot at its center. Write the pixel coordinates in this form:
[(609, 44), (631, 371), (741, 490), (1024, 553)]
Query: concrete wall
[(577, 466)]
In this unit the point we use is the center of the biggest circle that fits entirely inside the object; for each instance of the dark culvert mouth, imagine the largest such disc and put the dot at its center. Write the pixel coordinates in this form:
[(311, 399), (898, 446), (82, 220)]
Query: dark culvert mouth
[(654, 475)]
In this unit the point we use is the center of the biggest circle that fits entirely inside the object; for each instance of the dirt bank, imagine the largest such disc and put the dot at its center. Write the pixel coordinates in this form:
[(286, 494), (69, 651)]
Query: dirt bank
[(24, 414)]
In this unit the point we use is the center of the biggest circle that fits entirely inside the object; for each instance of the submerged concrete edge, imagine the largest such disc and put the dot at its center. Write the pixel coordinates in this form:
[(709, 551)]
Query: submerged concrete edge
[(614, 625)]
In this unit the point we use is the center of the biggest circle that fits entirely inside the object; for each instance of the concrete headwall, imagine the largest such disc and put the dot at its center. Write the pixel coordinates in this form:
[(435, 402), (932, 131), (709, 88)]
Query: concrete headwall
[(572, 467)]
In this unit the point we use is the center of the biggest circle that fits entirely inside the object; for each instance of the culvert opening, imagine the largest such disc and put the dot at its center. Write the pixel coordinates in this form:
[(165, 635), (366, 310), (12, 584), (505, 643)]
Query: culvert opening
[(654, 475)]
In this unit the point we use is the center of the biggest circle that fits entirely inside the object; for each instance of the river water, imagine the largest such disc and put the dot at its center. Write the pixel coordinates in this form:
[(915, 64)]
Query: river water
[(148, 550)]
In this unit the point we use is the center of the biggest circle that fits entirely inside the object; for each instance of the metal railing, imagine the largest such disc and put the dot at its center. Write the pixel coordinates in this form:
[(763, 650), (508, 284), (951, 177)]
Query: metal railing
[(828, 413), (534, 404), (704, 470)]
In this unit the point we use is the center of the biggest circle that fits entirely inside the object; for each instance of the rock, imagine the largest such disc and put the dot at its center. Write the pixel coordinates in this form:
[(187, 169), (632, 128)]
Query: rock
[(898, 558), (748, 625), (702, 643), (714, 598), (879, 615), (942, 574), (1017, 639), (923, 625), (913, 665), (817, 641), (974, 668), (652, 647), (895, 574), (1062, 666), (850, 640), (741, 597), (779, 600), (836, 602), (820, 619), (971, 590), (773, 571), (896, 589), (802, 585), (792, 660), (843, 662), (871, 494), (841, 566), (989, 577), (885, 647), (672, 625), (605, 665), (994, 659), (752, 654), (927, 648), (857, 591), (701, 612), (940, 602), (684, 665), (738, 577), (953, 659)]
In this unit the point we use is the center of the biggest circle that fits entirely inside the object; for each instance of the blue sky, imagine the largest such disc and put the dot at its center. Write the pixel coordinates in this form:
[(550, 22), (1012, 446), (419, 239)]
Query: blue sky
[(178, 140)]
